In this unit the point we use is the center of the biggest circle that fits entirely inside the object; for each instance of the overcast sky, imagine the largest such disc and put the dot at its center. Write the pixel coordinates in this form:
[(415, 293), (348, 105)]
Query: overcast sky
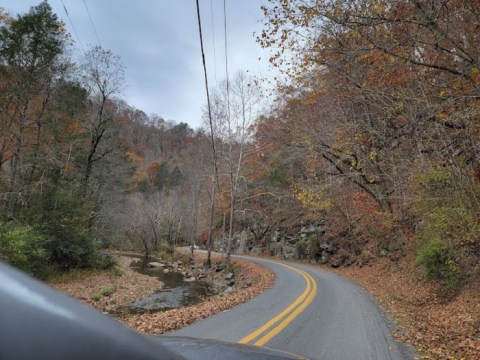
[(159, 45)]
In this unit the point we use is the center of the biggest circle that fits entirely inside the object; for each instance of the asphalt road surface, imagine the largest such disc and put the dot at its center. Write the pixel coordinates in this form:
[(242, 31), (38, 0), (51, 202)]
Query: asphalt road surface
[(307, 312)]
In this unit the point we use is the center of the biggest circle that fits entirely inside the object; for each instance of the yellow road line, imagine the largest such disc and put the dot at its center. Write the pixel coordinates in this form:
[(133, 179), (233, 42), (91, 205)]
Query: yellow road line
[(291, 317), (300, 304)]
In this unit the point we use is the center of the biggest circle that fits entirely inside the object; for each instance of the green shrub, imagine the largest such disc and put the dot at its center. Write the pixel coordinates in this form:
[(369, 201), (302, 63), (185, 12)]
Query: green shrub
[(438, 261), (104, 293), (64, 223), (313, 247), (301, 249), (24, 247), (448, 232), (105, 261), (108, 291)]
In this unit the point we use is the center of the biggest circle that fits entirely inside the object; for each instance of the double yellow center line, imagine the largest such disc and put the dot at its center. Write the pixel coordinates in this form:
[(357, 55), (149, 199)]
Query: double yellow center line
[(274, 326)]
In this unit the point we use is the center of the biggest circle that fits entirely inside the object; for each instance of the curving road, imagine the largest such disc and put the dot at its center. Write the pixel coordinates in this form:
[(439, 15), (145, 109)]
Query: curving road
[(307, 312)]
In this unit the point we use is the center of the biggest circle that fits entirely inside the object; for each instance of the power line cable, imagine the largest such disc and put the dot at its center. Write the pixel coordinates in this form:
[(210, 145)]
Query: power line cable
[(214, 47), (91, 22), (226, 59), (73, 26), (208, 95)]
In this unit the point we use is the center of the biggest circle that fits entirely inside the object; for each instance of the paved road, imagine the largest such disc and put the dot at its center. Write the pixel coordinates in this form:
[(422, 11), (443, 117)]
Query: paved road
[(307, 312)]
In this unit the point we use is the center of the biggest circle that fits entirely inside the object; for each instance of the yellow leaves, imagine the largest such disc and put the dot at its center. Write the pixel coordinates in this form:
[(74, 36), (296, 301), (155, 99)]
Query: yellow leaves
[(476, 75), (442, 115), (355, 165), (312, 199), (442, 93), (134, 157)]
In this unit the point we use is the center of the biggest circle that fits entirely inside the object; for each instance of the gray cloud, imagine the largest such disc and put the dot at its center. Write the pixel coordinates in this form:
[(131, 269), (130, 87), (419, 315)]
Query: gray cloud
[(159, 44)]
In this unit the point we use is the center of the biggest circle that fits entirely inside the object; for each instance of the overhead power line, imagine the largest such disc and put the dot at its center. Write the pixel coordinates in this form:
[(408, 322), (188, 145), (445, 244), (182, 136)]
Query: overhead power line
[(226, 59), (91, 22), (208, 94), (73, 26), (214, 47)]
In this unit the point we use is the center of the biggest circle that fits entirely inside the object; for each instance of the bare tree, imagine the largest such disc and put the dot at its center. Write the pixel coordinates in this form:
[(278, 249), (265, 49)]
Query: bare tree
[(103, 76), (235, 109)]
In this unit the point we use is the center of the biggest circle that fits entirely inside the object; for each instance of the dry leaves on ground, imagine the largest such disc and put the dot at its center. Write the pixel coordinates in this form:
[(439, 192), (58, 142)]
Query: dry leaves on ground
[(161, 322), (106, 290), (437, 328)]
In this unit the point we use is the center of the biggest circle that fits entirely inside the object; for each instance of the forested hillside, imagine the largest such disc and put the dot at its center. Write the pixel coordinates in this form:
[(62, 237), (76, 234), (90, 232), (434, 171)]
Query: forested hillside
[(381, 118), (80, 168), (372, 139)]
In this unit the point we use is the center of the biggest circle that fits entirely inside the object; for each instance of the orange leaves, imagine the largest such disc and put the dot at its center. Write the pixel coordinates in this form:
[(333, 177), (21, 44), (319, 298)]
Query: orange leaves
[(74, 128), (134, 157), (365, 203)]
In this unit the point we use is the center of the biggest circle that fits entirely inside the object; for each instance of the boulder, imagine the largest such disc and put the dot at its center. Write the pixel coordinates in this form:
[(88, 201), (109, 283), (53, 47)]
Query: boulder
[(324, 258), (189, 279), (328, 248), (155, 265), (218, 267), (256, 250), (201, 276), (230, 278), (288, 251), (276, 236), (228, 290)]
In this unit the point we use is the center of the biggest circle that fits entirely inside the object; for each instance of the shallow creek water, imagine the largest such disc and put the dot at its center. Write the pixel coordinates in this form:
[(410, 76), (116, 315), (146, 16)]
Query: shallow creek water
[(175, 293)]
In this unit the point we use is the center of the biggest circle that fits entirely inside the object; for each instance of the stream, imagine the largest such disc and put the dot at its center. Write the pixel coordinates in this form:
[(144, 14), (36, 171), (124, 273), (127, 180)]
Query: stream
[(175, 293)]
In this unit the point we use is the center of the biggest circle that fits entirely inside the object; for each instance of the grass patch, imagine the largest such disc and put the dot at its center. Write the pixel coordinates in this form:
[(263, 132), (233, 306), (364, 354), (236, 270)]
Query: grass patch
[(104, 293), (71, 275)]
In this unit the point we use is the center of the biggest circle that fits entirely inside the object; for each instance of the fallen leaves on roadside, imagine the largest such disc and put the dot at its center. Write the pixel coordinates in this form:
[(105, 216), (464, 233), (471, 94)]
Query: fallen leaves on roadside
[(128, 286), (438, 328), (162, 322)]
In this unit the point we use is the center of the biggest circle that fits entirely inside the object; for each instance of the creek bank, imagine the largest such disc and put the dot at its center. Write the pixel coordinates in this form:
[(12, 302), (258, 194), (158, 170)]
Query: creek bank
[(108, 290), (249, 280), (182, 285)]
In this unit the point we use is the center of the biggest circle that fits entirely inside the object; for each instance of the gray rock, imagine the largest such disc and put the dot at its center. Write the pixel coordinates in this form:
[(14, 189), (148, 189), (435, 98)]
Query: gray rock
[(229, 276), (228, 290), (329, 248), (256, 250), (324, 258), (288, 251), (230, 279), (189, 279), (155, 265), (309, 229), (218, 267), (201, 276), (292, 239), (166, 271), (276, 236)]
